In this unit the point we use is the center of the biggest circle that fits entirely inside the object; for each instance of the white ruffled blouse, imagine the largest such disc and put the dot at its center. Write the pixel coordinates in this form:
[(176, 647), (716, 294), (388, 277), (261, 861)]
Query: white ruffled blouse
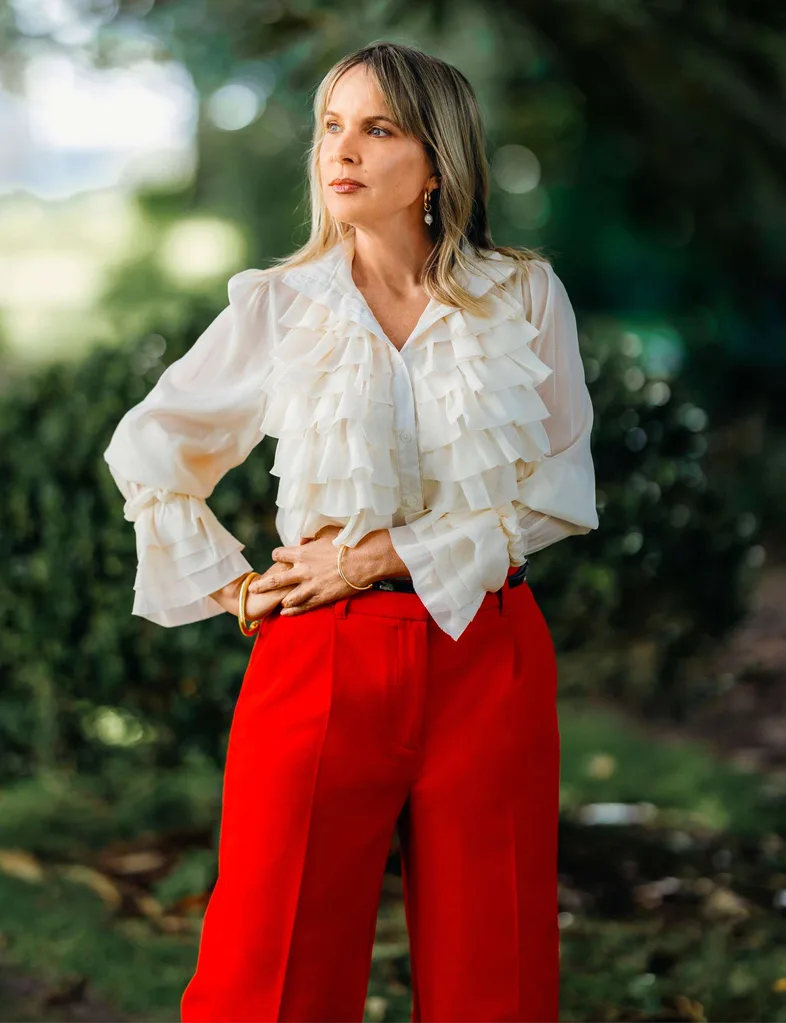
[(470, 445)]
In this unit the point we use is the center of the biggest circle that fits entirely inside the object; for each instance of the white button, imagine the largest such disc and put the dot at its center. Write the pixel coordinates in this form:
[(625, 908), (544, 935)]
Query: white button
[(405, 435)]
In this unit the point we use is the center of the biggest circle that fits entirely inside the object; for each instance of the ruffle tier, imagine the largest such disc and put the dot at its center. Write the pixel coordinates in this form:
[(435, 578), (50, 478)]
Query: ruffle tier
[(480, 415), (184, 555), (329, 400)]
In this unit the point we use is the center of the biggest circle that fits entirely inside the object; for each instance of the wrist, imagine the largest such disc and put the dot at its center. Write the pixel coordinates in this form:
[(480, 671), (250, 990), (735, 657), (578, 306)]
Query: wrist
[(372, 558), (228, 595), (356, 564)]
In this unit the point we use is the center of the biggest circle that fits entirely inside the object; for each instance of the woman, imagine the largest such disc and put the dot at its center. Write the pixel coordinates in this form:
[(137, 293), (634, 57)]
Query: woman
[(433, 424)]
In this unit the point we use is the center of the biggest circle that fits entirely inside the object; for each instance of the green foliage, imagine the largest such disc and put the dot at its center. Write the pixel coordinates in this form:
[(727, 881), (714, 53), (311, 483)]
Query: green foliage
[(62, 932), (671, 920), (643, 212), (655, 131), (610, 757), (66, 815), (86, 681), (676, 554)]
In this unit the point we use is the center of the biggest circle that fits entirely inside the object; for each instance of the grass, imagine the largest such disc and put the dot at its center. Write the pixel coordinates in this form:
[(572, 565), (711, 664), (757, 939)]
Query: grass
[(62, 932), (606, 757)]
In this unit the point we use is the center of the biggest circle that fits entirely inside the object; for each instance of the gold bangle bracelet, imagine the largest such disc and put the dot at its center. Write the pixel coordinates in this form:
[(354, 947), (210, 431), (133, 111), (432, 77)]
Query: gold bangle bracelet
[(247, 626), (341, 550)]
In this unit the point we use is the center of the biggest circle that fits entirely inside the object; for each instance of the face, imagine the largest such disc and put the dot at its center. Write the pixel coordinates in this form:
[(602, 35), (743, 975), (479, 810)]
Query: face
[(393, 169)]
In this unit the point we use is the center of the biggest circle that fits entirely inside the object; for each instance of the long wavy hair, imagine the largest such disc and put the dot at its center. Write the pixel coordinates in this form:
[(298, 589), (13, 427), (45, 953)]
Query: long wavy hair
[(433, 102)]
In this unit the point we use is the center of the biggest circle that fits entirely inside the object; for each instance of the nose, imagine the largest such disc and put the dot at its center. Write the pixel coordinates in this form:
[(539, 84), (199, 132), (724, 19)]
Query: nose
[(344, 150)]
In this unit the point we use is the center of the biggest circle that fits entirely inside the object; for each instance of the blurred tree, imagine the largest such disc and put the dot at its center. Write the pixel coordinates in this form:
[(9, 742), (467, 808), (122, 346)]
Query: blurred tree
[(655, 130), (639, 144), (671, 563)]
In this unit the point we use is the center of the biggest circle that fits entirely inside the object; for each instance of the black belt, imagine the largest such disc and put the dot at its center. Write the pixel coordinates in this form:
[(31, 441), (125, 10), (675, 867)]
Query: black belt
[(403, 584)]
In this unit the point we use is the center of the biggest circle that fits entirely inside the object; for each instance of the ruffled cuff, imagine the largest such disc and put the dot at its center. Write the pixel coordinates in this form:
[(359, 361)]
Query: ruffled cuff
[(454, 559), (184, 555), (564, 488)]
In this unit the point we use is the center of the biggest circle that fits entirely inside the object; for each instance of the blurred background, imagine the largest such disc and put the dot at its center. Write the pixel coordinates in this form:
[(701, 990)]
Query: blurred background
[(152, 148)]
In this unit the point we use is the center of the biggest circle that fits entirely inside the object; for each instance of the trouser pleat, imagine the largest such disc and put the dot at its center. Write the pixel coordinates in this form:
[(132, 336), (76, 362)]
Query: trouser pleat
[(352, 720)]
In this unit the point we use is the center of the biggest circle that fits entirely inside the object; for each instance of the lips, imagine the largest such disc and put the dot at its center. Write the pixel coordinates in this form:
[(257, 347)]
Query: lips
[(346, 181)]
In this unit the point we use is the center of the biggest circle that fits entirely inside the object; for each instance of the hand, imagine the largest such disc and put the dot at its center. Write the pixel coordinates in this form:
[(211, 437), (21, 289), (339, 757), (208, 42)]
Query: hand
[(260, 604), (310, 575), (257, 605)]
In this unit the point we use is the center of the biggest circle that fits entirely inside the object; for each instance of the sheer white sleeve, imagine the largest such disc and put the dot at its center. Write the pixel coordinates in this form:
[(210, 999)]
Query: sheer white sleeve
[(557, 498), (455, 558), (167, 453)]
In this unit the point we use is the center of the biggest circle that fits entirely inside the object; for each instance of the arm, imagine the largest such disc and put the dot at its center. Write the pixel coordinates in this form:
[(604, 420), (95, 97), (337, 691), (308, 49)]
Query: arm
[(373, 557), (227, 596), (456, 557), (556, 496), (167, 454)]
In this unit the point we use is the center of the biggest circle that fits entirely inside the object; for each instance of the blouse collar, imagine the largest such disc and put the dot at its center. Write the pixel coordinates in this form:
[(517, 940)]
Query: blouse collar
[(328, 280)]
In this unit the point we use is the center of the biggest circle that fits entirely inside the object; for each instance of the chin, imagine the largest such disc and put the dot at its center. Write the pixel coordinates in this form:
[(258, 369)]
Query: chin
[(343, 212)]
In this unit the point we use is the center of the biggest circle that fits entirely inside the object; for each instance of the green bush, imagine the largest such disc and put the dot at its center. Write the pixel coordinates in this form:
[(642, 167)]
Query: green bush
[(673, 564), (85, 680)]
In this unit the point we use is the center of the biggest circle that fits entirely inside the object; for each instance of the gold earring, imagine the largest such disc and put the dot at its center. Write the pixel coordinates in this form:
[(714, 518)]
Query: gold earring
[(427, 207)]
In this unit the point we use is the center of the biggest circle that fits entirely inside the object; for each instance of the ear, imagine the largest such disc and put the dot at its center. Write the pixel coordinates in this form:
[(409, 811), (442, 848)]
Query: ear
[(434, 182)]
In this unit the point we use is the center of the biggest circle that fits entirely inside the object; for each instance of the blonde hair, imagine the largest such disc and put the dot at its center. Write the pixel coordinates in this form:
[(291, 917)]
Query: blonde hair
[(434, 103)]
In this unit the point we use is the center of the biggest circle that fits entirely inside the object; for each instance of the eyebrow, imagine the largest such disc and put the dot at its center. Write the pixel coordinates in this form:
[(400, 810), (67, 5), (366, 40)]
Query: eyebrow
[(371, 117)]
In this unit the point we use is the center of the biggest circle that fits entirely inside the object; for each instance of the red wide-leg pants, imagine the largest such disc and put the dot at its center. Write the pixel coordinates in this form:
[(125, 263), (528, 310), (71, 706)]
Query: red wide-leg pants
[(354, 718)]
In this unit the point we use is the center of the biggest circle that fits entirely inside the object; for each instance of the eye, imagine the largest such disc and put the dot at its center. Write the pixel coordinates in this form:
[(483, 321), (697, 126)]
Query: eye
[(376, 127)]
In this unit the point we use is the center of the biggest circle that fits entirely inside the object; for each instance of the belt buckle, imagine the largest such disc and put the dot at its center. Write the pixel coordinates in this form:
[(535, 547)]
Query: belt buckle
[(385, 584)]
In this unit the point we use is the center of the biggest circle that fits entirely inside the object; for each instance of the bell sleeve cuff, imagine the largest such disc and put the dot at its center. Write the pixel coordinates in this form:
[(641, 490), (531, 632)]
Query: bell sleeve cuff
[(184, 554), (454, 559)]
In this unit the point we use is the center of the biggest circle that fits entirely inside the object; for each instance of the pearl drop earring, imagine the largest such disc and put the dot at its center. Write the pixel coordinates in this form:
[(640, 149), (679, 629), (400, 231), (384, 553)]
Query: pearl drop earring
[(427, 207)]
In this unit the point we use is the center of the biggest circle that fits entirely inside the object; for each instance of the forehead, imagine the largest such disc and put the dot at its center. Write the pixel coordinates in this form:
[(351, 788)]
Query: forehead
[(357, 90)]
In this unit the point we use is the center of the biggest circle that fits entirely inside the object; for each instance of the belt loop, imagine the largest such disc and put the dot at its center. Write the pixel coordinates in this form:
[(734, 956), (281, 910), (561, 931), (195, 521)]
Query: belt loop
[(501, 600), (340, 606)]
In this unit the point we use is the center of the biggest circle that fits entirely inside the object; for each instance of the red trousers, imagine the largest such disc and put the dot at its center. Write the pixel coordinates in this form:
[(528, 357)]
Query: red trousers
[(353, 719)]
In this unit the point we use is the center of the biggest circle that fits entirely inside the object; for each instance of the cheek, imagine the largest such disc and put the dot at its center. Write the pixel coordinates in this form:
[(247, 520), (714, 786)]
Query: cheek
[(404, 174), (327, 151), (402, 189)]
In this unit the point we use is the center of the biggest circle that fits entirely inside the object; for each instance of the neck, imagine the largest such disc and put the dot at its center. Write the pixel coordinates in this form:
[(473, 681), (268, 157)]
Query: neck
[(390, 261)]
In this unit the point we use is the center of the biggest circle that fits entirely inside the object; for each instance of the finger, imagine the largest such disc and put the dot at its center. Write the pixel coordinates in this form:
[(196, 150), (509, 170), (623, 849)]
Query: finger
[(301, 609), (272, 582), (285, 553), (296, 599)]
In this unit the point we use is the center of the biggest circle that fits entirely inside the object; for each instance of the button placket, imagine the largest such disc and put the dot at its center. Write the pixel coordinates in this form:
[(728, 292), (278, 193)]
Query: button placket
[(406, 432)]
